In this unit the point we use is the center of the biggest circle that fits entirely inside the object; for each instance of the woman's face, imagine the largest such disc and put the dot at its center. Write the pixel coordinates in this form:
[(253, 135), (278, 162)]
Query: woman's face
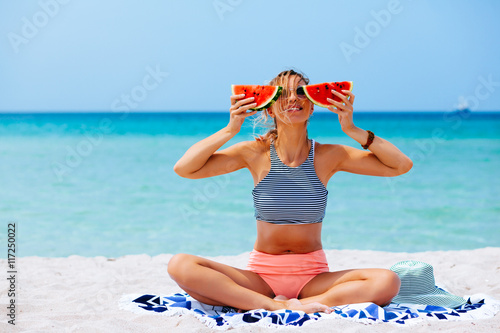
[(292, 107)]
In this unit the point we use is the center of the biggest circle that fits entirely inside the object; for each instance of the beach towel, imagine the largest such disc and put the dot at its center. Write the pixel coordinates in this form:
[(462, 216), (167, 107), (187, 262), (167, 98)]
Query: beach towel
[(221, 317)]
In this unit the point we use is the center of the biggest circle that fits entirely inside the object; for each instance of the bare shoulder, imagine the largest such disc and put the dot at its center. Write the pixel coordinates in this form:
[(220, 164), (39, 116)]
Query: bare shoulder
[(249, 150), (329, 150), (258, 150), (329, 158)]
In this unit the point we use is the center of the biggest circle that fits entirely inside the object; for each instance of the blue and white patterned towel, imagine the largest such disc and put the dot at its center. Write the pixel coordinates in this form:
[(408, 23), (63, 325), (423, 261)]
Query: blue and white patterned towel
[(477, 306)]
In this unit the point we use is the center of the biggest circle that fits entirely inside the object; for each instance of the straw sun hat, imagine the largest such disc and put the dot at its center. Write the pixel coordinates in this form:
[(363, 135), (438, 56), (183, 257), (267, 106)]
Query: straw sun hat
[(418, 286)]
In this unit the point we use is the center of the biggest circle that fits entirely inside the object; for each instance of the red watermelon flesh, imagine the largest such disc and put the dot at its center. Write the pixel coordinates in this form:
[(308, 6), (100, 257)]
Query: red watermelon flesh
[(264, 96), (318, 93)]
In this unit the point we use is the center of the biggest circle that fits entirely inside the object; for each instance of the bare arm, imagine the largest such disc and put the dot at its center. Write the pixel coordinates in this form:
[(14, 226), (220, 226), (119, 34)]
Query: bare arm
[(202, 159), (383, 159)]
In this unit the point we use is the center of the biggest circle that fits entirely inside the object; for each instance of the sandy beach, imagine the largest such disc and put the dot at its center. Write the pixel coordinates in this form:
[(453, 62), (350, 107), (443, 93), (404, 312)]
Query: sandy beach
[(80, 294)]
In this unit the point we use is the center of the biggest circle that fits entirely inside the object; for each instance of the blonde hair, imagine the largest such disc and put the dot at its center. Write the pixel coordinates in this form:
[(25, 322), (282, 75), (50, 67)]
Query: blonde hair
[(264, 119)]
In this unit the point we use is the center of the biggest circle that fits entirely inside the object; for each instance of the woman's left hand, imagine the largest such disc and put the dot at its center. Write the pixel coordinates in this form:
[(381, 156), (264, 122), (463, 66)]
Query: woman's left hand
[(343, 109)]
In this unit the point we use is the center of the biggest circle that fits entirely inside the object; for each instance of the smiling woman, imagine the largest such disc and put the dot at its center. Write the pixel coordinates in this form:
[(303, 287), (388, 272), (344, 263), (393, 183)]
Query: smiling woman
[(263, 119), (290, 173)]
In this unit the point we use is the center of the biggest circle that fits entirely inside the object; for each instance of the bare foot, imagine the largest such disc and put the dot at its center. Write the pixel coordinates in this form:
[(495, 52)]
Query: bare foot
[(295, 304), (281, 298)]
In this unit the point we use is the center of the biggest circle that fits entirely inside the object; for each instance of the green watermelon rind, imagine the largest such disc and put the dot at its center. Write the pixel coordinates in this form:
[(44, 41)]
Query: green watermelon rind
[(270, 101), (318, 103), (267, 104)]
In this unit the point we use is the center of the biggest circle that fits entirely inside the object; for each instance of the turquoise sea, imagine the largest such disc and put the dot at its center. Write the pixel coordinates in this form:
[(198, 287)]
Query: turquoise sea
[(102, 184)]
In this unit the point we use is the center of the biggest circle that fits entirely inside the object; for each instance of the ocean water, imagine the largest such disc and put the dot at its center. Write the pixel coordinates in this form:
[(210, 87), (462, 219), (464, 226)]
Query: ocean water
[(103, 184)]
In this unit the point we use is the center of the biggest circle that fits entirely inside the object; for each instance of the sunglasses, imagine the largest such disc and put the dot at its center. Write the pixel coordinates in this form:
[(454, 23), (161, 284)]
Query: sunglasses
[(299, 92)]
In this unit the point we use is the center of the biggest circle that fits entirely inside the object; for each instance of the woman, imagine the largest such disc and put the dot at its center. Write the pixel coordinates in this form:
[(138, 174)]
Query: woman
[(287, 268)]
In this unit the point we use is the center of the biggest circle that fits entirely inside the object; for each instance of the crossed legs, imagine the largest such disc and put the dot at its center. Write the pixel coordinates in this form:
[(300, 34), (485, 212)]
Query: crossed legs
[(214, 283), (374, 285)]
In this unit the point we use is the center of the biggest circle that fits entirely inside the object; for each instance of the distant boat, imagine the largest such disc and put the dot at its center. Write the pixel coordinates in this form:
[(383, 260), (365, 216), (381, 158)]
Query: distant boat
[(463, 108)]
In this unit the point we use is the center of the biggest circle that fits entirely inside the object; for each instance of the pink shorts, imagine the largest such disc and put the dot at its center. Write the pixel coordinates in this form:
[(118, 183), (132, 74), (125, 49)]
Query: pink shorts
[(287, 274)]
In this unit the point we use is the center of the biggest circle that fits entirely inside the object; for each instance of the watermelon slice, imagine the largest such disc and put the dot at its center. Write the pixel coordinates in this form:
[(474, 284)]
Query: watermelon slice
[(318, 93), (265, 96)]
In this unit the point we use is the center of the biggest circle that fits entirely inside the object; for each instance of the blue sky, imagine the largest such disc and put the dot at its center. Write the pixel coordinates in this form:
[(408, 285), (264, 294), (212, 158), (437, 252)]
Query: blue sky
[(62, 55)]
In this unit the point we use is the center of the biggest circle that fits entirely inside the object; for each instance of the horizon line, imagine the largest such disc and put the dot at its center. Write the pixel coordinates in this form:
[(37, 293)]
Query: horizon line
[(221, 112)]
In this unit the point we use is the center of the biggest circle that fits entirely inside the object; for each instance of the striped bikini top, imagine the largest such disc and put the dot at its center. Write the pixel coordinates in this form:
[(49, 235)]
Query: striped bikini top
[(290, 195)]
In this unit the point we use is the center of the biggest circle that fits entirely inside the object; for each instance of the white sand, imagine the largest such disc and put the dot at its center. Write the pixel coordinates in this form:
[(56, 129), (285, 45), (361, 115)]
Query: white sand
[(79, 294)]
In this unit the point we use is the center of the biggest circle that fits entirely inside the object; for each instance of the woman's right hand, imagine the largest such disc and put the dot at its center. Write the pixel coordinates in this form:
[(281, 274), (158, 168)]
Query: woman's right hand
[(238, 111)]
